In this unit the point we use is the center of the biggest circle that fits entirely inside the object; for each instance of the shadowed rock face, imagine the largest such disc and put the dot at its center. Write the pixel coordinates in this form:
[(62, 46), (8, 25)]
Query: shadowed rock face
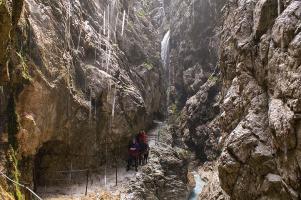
[(194, 86), (259, 61), (193, 46), (80, 67)]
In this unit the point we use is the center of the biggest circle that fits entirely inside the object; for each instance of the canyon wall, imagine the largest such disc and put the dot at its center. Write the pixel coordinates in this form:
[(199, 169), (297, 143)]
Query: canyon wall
[(260, 122), (194, 74), (77, 81)]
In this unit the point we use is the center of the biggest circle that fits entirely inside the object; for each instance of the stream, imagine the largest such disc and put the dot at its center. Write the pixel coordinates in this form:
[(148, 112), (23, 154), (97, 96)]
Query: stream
[(199, 184)]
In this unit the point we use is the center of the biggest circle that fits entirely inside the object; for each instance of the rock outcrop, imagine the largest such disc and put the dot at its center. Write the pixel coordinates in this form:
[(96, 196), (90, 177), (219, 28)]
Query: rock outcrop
[(194, 76), (83, 76), (259, 61)]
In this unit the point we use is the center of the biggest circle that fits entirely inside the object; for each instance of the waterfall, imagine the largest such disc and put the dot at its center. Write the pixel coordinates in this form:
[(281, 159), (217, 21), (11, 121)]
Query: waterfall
[(165, 60), (123, 21), (165, 49), (199, 184)]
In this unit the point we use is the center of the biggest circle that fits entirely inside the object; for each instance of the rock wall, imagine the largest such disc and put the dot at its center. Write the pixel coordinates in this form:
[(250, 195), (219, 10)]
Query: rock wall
[(194, 75), (260, 65), (91, 83)]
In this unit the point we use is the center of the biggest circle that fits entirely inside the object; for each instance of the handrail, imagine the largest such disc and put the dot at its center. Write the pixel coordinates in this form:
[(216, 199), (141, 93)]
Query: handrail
[(21, 185)]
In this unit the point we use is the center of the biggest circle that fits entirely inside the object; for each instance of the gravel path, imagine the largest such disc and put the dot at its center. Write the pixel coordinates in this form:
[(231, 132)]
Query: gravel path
[(97, 186)]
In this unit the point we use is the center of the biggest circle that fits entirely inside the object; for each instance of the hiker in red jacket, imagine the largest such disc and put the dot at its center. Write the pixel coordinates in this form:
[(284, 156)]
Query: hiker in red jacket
[(144, 148), (142, 137), (133, 151)]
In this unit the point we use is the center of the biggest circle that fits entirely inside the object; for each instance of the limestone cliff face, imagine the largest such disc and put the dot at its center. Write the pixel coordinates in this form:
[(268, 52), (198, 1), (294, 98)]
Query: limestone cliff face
[(260, 65), (91, 81), (194, 84)]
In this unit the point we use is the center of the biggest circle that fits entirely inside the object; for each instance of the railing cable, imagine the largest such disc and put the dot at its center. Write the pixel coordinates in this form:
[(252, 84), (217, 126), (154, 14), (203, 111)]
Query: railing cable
[(21, 185)]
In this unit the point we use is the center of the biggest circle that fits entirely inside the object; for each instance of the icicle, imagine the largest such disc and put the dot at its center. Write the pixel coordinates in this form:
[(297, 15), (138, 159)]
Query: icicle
[(113, 105), (108, 20), (279, 7), (104, 22), (123, 21)]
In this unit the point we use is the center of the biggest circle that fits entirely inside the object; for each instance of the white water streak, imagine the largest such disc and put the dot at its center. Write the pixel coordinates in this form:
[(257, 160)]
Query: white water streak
[(123, 21), (165, 48)]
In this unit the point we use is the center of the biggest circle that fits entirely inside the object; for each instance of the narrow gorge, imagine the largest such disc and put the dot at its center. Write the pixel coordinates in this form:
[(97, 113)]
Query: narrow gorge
[(216, 85)]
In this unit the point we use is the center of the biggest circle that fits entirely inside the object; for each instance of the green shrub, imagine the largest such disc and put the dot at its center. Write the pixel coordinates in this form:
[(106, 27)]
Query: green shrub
[(148, 66), (212, 78), (25, 73), (14, 172), (141, 13)]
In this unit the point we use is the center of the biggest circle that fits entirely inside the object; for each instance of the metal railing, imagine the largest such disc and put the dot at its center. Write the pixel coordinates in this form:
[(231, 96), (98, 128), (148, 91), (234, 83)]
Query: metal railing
[(21, 185)]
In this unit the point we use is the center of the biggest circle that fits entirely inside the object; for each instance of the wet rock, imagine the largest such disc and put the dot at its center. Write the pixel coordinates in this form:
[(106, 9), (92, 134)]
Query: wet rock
[(77, 80), (259, 105)]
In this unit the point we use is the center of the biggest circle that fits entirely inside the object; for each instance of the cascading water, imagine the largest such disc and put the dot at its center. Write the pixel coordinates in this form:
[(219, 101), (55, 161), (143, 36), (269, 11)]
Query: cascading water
[(165, 49), (199, 184), (123, 22), (165, 61)]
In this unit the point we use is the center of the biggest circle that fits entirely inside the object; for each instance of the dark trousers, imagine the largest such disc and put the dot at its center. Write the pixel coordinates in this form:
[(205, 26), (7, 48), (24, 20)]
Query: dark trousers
[(132, 160)]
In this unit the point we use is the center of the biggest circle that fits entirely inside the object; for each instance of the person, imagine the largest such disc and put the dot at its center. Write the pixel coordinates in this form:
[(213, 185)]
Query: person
[(142, 137), (144, 148), (144, 153), (133, 151)]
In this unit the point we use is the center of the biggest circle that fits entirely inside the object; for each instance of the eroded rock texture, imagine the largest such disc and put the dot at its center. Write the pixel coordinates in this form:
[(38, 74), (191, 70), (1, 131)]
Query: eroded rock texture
[(194, 76), (91, 83), (260, 65)]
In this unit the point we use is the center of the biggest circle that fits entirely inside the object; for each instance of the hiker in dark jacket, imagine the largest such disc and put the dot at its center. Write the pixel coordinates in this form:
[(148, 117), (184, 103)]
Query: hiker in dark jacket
[(144, 148), (133, 151)]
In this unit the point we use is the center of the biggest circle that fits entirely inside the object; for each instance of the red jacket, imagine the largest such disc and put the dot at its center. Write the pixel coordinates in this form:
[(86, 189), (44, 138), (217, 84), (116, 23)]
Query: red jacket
[(143, 137)]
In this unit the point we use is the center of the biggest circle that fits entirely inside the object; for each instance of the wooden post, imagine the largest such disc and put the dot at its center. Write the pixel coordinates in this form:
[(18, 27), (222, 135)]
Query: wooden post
[(87, 182)]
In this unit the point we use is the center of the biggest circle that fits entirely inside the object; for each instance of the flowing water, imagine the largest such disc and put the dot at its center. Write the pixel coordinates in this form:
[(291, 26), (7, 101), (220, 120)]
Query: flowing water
[(199, 184), (123, 21), (165, 60), (165, 48)]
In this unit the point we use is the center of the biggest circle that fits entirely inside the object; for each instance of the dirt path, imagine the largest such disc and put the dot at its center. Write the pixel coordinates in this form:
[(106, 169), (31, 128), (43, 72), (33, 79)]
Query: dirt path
[(97, 186)]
